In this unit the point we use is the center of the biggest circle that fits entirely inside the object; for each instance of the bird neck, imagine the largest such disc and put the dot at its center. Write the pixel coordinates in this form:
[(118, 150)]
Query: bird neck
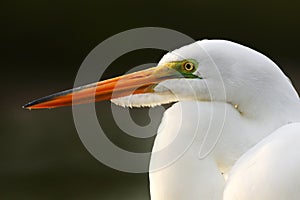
[(278, 99)]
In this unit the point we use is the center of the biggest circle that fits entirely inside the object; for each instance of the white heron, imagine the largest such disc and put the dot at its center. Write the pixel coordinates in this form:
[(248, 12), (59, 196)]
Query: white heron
[(227, 96)]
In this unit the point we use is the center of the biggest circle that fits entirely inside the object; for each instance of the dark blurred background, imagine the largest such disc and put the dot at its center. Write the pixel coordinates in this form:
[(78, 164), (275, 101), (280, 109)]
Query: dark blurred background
[(42, 46)]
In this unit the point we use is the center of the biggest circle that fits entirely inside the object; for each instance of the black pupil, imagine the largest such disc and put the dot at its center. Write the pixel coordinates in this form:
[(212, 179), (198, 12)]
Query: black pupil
[(189, 66)]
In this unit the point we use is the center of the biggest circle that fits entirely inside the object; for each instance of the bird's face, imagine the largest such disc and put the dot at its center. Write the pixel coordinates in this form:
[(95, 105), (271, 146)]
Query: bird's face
[(168, 82), (176, 80), (207, 70)]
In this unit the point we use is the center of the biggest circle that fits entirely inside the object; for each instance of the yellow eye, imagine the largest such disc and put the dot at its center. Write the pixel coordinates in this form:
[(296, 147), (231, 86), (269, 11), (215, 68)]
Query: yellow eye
[(189, 66)]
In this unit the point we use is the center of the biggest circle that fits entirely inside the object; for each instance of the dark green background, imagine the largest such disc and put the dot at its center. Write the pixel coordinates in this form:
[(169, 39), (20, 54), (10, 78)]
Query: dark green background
[(43, 44)]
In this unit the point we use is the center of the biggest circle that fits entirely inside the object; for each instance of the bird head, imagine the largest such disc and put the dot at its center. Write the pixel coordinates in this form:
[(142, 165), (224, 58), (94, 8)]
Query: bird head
[(207, 70)]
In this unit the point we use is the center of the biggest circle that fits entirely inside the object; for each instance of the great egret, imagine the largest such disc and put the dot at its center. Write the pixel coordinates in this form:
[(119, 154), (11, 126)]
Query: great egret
[(229, 97)]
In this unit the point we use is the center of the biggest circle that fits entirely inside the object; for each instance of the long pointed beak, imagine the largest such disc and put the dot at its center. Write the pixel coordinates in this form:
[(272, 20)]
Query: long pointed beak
[(134, 83)]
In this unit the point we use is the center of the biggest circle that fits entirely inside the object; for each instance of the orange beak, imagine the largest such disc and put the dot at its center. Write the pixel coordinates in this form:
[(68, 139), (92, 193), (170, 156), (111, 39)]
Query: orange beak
[(134, 83)]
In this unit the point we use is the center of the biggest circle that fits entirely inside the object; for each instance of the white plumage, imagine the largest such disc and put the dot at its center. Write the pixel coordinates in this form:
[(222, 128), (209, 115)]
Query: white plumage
[(270, 170), (250, 101)]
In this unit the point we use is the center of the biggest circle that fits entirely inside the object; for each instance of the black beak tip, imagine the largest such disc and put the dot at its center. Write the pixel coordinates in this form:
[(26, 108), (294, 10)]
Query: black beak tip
[(26, 106)]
